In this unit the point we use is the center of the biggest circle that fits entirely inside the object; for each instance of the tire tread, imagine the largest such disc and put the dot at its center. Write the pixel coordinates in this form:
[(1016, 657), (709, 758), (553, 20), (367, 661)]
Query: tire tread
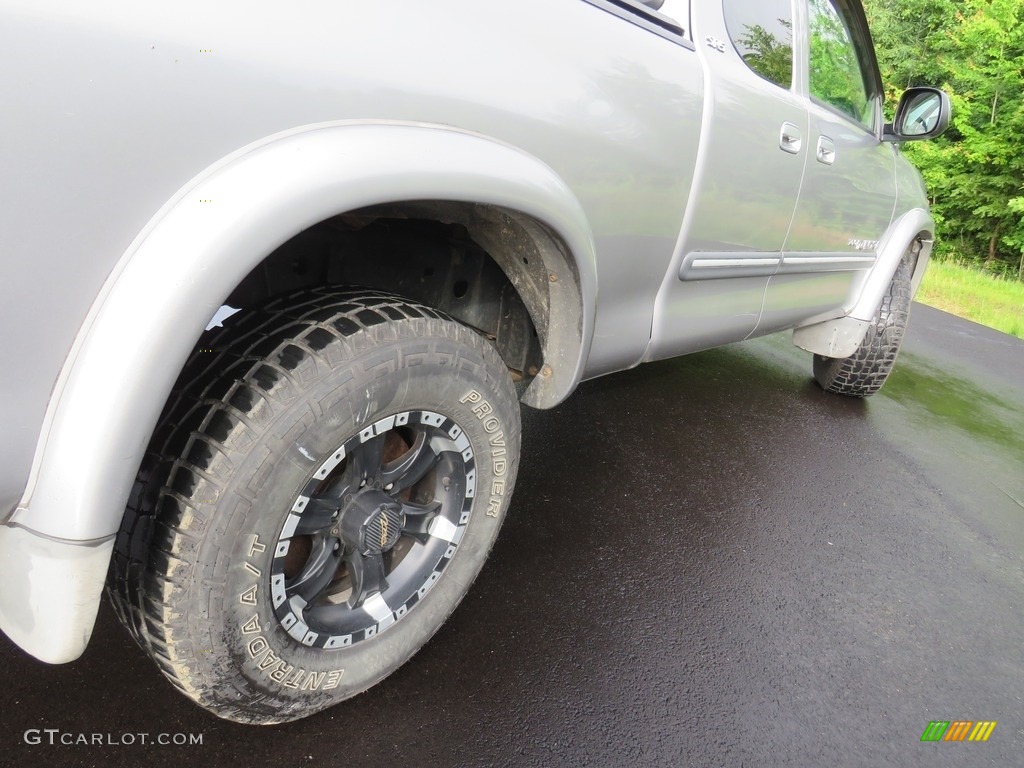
[(207, 418), (863, 373)]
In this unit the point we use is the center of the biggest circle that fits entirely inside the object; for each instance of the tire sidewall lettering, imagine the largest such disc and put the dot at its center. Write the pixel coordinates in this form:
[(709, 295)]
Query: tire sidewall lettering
[(267, 655), (482, 409)]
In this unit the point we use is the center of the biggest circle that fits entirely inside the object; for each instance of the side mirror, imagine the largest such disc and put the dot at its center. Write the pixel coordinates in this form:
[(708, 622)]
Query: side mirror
[(923, 113)]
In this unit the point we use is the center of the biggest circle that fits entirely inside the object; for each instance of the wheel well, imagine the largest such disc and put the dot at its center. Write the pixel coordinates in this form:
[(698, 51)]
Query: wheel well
[(482, 265), (920, 249)]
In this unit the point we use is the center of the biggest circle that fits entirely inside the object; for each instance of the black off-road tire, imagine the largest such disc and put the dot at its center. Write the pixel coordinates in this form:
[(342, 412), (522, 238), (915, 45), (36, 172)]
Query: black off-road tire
[(864, 372), (245, 463)]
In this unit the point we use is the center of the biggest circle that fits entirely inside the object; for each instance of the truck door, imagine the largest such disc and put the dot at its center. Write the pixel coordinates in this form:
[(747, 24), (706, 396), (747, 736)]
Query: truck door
[(849, 187), (754, 141)]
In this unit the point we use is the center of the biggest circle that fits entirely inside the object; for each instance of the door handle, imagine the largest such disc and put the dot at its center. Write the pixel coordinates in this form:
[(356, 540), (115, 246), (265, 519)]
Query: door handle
[(790, 139), (826, 150)]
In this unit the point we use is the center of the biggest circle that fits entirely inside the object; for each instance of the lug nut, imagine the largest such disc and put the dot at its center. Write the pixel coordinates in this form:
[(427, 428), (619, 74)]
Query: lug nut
[(389, 486)]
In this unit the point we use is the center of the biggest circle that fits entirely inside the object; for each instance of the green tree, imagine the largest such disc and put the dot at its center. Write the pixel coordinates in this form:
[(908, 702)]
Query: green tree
[(975, 174), (910, 37)]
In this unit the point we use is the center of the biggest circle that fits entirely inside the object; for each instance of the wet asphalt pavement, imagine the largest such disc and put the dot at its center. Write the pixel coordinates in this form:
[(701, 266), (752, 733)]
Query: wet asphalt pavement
[(708, 561)]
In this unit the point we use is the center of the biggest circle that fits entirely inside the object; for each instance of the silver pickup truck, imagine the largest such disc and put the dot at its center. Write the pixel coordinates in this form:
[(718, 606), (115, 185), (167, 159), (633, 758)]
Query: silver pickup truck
[(275, 279)]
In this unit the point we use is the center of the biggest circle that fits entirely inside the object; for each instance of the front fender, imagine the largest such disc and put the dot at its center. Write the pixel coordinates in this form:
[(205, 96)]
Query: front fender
[(840, 337), (179, 270), (916, 224)]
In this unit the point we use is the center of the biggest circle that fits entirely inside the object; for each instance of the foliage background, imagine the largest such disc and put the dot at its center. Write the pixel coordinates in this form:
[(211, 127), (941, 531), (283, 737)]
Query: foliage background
[(974, 49)]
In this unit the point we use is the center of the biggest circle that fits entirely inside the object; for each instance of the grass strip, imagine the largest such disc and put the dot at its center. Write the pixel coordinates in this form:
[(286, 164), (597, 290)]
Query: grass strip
[(976, 295)]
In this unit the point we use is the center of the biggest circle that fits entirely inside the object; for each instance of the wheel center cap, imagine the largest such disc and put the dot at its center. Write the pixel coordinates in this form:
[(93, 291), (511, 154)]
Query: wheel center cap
[(372, 522)]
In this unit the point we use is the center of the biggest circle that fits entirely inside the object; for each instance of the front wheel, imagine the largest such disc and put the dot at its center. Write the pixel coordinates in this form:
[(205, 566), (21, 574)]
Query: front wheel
[(864, 372), (316, 502)]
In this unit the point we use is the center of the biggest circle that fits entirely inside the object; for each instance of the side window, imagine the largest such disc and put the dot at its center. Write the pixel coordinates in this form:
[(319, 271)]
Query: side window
[(762, 33), (837, 77)]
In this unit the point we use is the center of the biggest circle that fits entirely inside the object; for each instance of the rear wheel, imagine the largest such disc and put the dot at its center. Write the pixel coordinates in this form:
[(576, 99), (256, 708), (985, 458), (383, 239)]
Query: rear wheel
[(864, 372), (317, 499)]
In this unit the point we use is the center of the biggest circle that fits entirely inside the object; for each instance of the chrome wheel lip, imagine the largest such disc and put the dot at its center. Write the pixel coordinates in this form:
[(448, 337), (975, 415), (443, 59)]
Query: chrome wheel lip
[(382, 609)]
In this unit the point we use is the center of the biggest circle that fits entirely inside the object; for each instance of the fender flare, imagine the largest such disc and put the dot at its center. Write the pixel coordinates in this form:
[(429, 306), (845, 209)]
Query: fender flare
[(175, 275)]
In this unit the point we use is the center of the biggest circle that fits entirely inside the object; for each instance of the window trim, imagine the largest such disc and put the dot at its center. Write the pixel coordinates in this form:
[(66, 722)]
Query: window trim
[(648, 19)]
